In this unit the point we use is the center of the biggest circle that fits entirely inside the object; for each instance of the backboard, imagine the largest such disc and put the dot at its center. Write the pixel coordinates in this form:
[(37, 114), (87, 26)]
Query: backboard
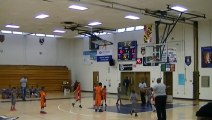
[(156, 53)]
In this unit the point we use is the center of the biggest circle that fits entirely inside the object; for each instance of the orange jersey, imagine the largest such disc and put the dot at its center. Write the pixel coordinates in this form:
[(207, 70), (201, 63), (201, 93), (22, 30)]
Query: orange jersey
[(78, 92), (98, 90), (42, 98), (104, 93)]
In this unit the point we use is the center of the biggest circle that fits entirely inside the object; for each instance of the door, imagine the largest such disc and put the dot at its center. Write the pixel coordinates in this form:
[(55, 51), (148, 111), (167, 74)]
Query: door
[(139, 77), (130, 76), (168, 81), (135, 79), (95, 78)]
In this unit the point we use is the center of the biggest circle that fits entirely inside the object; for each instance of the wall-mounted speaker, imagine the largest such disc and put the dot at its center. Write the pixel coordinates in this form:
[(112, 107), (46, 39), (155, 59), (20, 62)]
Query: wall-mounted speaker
[(111, 62), (1, 38), (41, 41)]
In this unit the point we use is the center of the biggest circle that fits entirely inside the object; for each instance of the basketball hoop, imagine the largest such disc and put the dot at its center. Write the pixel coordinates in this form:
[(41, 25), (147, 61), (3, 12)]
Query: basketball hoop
[(104, 46), (102, 43), (152, 62), (156, 53)]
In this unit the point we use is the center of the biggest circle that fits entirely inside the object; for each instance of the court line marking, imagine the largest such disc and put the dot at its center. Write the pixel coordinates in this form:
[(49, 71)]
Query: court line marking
[(86, 115), (59, 107)]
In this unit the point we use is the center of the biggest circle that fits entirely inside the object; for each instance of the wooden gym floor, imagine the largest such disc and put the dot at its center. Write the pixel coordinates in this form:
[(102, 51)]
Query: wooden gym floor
[(59, 108)]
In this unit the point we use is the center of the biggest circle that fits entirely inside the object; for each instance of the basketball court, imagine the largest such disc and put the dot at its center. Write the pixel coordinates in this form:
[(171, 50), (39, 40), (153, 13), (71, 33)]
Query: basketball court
[(59, 108)]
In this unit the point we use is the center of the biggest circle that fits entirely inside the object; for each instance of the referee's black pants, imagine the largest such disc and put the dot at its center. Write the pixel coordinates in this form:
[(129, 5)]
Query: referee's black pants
[(160, 104), (143, 99)]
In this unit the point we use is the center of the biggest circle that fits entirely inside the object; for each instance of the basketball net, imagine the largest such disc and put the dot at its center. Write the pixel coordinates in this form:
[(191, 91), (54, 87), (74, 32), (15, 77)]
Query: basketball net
[(104, 46), (154, 60)]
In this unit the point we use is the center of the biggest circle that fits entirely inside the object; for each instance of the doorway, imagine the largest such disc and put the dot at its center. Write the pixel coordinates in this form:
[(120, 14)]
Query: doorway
[(135, 79), (95, 78), (130, 76), (168, 81)]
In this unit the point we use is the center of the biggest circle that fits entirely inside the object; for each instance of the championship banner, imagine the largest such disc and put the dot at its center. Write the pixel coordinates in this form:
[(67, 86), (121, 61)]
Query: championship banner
[(148, 33)]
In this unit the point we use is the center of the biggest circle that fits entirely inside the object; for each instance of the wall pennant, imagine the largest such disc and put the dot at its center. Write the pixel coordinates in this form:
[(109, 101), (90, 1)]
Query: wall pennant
[(148, 33), (187, 60)]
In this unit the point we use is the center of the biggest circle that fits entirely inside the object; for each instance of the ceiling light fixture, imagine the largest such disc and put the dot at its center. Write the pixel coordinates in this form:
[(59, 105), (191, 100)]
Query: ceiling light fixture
[(179, 8), (80, 36), (103, 33), (32, 34), (12, 26), (25, 33), (139, 27), (40, 34), (17, 33), (49, 35), (57, 36), (59, 31), (6, 31), (42, 16), (77, 7), (94, 23), (132, 17), (121, 30), (96, 33), (130, 28)]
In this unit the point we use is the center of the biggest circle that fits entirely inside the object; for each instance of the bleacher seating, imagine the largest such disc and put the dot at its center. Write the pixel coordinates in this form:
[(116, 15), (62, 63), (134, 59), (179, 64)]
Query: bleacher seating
[(51, 77)]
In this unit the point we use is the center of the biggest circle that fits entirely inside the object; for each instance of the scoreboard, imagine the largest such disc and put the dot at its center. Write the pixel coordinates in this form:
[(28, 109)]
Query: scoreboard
[(127, 51)]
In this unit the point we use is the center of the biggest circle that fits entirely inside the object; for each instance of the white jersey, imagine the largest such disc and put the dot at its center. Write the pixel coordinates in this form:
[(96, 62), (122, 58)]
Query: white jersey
[(142, 86), (23, 82)]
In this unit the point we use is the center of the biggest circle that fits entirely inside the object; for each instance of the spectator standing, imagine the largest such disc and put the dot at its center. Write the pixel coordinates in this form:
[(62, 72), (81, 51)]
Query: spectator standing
[(126, 84), (23, 83)]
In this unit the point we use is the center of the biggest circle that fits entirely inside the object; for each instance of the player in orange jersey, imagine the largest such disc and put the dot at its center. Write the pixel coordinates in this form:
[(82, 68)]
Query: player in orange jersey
[(42, 100), (104, 95), (98, 98), (77, 95)]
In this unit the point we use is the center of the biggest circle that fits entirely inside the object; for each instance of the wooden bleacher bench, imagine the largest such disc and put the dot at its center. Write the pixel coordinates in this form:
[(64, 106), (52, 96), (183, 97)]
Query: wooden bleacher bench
[(51, 77)]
